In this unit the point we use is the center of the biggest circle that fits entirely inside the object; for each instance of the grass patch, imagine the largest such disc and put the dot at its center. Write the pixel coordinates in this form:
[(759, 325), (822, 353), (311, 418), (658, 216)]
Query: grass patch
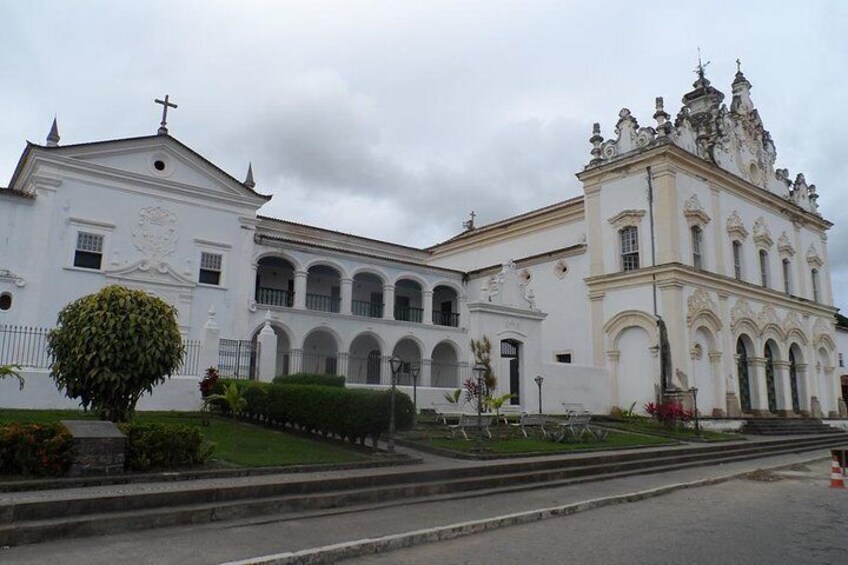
[(648, 426), (238, 444)]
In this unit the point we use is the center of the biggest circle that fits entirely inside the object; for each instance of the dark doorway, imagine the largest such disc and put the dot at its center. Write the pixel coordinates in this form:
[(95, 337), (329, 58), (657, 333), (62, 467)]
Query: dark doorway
[(793, 383), (372, 371), (510, 350), (744, 381), (771, 392)]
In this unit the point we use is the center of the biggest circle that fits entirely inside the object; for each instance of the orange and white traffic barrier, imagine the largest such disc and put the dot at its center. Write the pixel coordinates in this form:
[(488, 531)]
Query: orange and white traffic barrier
[(836, 478)]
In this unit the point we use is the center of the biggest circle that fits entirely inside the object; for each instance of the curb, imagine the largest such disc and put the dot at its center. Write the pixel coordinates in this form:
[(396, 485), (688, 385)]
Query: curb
[(370, 546)]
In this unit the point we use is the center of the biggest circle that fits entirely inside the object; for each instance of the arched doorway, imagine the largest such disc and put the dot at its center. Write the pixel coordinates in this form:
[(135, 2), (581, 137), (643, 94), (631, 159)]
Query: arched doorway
[(794, 355), (275, 282), (742, 371), (365, 360), (408, 301), (320, 353), (770, 353), (638, 373), (444, 370), (511, 352), (445, 306), (323, 289), (408, 351)]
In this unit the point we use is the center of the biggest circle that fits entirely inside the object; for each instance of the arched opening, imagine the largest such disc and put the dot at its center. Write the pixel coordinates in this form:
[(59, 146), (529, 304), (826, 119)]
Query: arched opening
[(637, 367), (444, 370), (320, 353), (323, 289), (408, 351), (364, 364), (283, 357), (770, 354), (743, 366), (794, 358), (511, 355), (275, 282), (408, 301), (445, 306), (703, 367), (367, 295)]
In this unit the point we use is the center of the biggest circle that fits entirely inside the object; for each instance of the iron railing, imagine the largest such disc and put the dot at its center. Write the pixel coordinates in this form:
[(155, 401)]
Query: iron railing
[(322, 303), (364, 370), (191, 359), (446, 319), (319, 363), (25, 346), (274, 297), (366, 308), (237, 358), (409, 314)]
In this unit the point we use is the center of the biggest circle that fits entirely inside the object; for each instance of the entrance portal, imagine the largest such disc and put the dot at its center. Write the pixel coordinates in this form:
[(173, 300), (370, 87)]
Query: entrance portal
[(510, 349)]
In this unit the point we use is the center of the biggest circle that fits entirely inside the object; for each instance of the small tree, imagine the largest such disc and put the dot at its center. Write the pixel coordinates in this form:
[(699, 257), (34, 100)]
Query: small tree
[(482, 350), (12, 371), (112, 346)]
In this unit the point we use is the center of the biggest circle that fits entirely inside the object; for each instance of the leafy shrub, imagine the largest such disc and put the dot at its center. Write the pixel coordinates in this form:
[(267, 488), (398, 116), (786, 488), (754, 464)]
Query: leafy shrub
[(35, 449), (163, 446), (112, 346), (207, 385), (310, 379), (669, 412), (352, 414)]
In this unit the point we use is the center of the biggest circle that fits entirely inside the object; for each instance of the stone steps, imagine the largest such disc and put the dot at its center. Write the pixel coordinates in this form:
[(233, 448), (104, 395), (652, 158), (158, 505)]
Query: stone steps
[(36, 521), (788, 426)]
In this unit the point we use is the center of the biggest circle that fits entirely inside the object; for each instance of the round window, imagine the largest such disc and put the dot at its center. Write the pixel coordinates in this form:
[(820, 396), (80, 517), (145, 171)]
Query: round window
[(5, 301), (159, 165)]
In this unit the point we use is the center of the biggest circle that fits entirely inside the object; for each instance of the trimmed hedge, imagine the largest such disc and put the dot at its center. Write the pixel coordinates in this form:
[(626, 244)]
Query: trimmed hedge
[(163, 446), (310, 379), (35, 449), (351, 414)]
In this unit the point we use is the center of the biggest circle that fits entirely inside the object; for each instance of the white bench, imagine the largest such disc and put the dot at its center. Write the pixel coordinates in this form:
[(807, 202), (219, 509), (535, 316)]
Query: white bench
[(533, 421), (510, 410), (467, 421), (577, 425), (448, 411)]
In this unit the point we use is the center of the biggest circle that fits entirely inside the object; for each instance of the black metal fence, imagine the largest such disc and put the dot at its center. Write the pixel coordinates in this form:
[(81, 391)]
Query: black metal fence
[(237, 358), (27, 346)]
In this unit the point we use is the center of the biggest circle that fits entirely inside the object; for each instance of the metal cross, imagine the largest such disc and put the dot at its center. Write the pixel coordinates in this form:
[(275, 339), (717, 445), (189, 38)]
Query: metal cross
[(469, 224), (738, 66), (163, 129), (701, 66)]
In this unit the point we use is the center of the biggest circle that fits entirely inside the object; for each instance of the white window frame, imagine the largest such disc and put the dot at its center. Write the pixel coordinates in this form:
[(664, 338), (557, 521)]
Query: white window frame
[(214, 248), (787, 275), (738, 259), (93, 227), (697, 236), (763, 256), (816, 282), (630, 252)]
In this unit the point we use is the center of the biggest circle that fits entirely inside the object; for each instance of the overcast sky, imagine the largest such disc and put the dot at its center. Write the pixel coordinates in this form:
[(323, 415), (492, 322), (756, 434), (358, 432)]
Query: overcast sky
[(395, 119)]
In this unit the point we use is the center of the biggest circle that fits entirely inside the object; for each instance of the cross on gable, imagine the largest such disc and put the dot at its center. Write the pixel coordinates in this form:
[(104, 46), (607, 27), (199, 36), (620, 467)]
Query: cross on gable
[(163, 126)]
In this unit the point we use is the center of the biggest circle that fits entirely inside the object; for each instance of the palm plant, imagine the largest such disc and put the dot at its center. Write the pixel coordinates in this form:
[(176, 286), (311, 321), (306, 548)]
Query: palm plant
[(12, 371), (234, 401)]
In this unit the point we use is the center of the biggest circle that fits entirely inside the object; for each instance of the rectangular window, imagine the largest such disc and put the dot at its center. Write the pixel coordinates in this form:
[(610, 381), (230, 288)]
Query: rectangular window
[(210, 268), (696, 247), (737, 260), (563, 357), (814, 274), (89, 250), (787, 276), (629, 248), (764, 268), (841, 361)]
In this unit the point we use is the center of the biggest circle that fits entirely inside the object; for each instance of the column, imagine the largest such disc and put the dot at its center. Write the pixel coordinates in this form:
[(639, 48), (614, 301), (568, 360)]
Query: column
[(300, 289), (343, 363), (719, 397), (209, 344), (783, 388), (757, 380), (427, 304), (385, 368), (612, 360), (732, 393), (462, 308), (803, 389), (295, 361), (267, 351), (834, 391), (389, 302), (346, 291), (425, 377)]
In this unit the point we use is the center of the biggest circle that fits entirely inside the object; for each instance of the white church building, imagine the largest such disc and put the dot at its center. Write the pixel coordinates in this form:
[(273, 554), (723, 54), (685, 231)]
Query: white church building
[(687, 220)]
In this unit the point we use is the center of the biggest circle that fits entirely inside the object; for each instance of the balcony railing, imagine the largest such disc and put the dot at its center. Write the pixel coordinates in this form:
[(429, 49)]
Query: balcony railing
[(446, 319), (322, 303), (369, 309), (274, 297), (409, 314)]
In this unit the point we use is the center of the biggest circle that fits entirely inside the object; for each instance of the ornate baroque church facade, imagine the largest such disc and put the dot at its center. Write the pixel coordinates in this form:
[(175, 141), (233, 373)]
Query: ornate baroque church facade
[(688, 221)]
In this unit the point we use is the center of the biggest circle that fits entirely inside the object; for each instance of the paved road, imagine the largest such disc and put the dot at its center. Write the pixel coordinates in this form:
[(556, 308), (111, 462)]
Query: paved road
[(796, 519)]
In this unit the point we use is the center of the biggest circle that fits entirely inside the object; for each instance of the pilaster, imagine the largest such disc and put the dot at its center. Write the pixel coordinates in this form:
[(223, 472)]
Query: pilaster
[(346, 295), (427, 305), (267, 341), (757, 380), (389, 302), (300, 278), (783, 388)]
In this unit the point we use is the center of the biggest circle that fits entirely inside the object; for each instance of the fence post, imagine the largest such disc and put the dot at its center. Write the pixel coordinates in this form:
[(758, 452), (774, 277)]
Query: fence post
[(209, 344), (267, 351)]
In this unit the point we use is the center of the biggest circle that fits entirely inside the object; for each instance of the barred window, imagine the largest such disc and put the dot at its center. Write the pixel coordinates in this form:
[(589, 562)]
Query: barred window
[(629, 238), (737, 260), (696, 247), (210, 268), (89, 251)]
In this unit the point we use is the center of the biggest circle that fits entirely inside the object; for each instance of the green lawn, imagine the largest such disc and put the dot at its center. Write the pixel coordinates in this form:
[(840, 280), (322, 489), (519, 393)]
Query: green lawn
[(239, 444), (652, 427), (532, 444)]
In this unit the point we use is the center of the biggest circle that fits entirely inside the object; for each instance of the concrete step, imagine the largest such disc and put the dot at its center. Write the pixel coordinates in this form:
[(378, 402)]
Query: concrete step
[(787, 426), (35, 522)]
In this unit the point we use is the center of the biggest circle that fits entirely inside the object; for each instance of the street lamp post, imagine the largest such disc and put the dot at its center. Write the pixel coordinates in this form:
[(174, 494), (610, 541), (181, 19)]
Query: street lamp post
[(694, 391), (395, 363), (539, 379), (479, 373), (415, 370)]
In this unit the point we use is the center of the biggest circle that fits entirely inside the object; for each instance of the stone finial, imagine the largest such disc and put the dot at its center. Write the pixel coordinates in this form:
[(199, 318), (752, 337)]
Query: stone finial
[(248, 181), (266, 328), (53, 136), (596, 140), (664, 127)]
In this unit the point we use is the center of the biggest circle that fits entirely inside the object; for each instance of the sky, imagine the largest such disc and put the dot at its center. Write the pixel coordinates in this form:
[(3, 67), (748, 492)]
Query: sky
[(395, 119)]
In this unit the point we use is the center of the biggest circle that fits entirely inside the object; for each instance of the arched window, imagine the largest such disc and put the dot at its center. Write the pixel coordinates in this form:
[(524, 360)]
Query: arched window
[(737, 260), (629, 238), (696, 247), (787, 276), (814, 274), (764, 268)]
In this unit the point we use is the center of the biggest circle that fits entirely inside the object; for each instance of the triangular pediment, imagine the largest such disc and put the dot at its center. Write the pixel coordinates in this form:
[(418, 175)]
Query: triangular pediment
[(159, 159), (147, 274)]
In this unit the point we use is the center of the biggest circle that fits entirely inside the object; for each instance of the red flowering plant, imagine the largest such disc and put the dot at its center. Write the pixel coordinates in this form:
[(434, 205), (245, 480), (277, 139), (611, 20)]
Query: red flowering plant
[(669, 412), (207, 385), (472, 390)]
